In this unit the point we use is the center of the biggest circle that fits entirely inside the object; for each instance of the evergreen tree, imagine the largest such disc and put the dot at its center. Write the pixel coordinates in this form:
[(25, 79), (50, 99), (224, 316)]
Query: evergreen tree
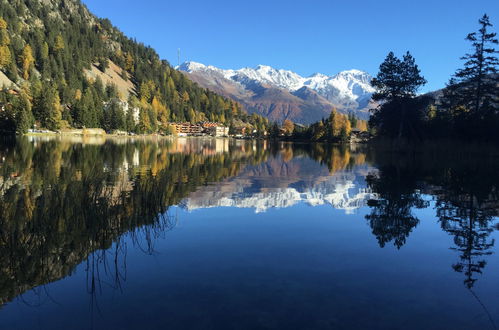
[(396, 86), (130, 120), (23, 115), (114, 117), (476, 85), (53, 105), (397, 79)]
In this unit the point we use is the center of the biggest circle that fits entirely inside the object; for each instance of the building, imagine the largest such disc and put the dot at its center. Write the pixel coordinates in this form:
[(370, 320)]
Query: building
[(215, 129), (218, 131), (187, 129), (204, 128)]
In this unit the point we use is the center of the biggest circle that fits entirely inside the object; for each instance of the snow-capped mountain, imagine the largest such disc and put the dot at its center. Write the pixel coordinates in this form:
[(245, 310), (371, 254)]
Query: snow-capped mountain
[(255, 88)]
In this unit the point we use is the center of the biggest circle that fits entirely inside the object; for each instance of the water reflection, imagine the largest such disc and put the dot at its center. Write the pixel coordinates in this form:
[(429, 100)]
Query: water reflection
[(290, 177), (464, 188), (69, 202), (391, 217), (60, 201)]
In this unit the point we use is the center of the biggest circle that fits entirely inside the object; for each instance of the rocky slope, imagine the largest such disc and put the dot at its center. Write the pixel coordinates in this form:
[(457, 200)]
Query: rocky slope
[(282, 94)]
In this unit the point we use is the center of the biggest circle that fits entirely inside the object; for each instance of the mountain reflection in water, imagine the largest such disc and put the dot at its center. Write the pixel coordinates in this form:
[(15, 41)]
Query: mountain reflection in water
[(66, 202)]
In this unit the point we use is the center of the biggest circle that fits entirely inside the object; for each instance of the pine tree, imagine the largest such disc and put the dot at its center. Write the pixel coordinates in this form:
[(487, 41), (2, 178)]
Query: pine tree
[(397, 79), (47, 108), (44, 51), (396, 86), (476, 85), (114, 116), (23, 115), (4, 37), (54, 110), (130, 123)]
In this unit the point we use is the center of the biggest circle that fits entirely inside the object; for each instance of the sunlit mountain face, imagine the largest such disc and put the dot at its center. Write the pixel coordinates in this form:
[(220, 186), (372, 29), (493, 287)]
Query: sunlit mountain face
[(282, 94)]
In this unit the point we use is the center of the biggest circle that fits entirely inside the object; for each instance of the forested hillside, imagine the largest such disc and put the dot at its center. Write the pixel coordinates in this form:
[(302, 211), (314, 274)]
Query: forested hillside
[(63, 67)]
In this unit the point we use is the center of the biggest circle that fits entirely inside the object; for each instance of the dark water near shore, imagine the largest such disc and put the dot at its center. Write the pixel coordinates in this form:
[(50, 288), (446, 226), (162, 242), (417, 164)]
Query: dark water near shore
[(224, 234)]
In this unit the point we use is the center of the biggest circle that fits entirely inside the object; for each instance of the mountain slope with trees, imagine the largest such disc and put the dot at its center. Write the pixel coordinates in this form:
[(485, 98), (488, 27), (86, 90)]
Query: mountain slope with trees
[(57, 56)]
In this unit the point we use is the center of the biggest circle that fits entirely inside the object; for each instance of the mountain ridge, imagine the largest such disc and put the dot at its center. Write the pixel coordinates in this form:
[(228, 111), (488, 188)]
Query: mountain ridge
[(302, 99)]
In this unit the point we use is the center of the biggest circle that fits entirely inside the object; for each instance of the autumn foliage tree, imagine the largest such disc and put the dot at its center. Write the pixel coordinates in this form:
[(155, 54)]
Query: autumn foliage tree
[(5, 54), (288, 127), (27, 60)]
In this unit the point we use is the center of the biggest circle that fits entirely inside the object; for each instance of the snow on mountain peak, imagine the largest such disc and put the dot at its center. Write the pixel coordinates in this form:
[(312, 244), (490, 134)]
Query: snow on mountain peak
[(284, 78), (191, 66), (349, 90)]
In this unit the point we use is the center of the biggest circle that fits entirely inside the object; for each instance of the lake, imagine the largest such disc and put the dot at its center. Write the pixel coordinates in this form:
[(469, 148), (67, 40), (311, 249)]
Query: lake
[(200, 233)]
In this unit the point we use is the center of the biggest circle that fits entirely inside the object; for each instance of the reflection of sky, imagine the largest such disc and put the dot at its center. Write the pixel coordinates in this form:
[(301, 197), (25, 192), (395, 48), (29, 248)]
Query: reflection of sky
[(232, 266)]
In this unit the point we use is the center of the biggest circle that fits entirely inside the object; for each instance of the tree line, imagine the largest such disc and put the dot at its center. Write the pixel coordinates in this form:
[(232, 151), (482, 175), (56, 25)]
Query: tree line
[(336, 128)]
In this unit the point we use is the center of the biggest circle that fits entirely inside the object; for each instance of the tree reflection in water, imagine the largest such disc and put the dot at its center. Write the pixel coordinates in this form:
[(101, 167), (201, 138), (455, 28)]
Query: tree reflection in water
[(464, 187), (65, 203), (62, 203), (391, 217), (465, 190)]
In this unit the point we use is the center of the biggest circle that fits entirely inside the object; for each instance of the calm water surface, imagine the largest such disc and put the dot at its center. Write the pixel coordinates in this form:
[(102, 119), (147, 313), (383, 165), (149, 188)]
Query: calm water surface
[(224, 234)]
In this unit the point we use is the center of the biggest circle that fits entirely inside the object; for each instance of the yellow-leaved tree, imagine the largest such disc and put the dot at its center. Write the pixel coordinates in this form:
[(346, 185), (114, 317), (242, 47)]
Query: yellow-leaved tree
[(129, 63), (161, 111), (59, 44), (288, 127), (27, 61), (3, 24), (5, 56)]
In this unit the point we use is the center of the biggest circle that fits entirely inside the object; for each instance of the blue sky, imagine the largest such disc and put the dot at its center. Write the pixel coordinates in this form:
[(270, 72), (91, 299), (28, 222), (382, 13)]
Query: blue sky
[(304, 36)]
